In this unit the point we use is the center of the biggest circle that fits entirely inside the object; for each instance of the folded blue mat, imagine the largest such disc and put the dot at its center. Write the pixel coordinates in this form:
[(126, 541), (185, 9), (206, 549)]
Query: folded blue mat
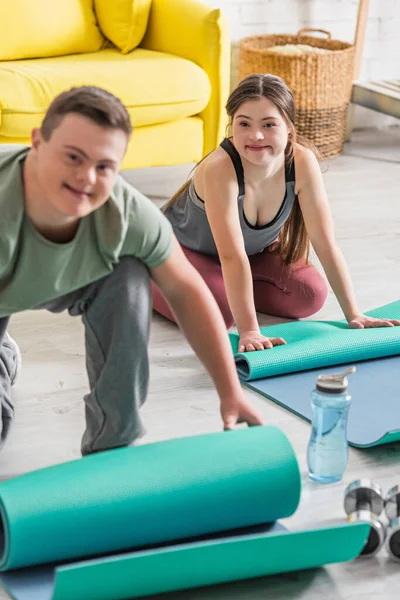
[(374, 416)]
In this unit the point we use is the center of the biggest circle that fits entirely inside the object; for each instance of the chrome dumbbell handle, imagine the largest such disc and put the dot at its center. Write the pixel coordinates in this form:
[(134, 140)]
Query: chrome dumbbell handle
[(392, 503), (363, 502), (377, 533), (363, 495)]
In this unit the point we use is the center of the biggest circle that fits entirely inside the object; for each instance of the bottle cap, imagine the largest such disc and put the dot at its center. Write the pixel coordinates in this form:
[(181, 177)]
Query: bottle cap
[(336, 383)]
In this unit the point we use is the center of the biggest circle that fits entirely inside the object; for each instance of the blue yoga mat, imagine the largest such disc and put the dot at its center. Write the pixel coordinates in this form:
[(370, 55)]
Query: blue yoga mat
[(287, 374), (374, 416)]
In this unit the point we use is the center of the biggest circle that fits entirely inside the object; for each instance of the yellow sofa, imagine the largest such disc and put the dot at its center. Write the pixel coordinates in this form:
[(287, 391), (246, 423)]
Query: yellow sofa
[(168, 61)]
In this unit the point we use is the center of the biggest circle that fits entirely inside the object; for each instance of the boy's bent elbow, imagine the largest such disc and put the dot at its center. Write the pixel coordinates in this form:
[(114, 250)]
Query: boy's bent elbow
[(180, 283)]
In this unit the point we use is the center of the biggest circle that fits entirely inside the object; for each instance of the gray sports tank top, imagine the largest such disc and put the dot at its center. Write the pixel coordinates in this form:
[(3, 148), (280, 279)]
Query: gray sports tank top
[(190, 224)]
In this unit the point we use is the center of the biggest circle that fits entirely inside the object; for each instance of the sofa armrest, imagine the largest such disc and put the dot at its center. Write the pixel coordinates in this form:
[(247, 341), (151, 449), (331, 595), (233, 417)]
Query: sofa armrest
[(192, 30)]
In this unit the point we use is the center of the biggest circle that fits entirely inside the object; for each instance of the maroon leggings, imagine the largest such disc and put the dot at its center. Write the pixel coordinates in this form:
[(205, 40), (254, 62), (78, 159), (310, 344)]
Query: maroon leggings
[(292, 292)]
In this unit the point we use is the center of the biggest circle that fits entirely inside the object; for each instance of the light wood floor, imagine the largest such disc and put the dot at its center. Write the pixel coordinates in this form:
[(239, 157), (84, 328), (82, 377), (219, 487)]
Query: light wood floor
[(363, 185)]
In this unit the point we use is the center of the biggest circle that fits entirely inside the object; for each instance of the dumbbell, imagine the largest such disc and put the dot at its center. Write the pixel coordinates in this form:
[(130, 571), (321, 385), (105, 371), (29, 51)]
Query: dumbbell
[(364, 502), (392, 510)]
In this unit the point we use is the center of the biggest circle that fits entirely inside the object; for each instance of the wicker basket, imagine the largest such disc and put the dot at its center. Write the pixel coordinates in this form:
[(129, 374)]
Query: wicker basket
[(321, 82)]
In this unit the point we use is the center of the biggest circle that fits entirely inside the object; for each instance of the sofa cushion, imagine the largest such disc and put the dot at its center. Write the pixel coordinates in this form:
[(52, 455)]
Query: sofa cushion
[(151, 146), (124, 22), (47, 28), (154, 86)]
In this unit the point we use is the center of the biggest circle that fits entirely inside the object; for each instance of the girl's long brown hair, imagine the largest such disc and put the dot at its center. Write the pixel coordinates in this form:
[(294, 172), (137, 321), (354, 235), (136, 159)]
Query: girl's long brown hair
[(293, 243)]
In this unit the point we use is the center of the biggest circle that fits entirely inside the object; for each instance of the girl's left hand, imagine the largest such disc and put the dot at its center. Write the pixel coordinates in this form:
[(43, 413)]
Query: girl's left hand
[(364, 322)]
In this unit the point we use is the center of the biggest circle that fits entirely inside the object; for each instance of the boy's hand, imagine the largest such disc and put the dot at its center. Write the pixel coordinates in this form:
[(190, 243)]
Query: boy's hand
[(199, 317), (237, 411)]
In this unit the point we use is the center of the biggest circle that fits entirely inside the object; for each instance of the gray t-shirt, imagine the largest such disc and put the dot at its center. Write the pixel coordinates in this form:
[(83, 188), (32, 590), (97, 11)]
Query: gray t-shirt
[(34, 270), (189, 221)]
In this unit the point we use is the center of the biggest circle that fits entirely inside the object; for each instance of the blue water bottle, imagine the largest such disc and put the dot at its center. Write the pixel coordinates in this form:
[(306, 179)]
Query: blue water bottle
[(328, 452)]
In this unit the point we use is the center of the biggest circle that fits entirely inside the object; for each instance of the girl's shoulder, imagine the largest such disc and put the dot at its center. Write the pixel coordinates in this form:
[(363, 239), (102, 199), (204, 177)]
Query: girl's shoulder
[(303, 155), (216, 164), (305, 163)]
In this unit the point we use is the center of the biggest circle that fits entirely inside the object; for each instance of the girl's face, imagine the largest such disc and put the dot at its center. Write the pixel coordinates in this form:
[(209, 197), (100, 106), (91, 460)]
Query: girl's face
[(260, 134)]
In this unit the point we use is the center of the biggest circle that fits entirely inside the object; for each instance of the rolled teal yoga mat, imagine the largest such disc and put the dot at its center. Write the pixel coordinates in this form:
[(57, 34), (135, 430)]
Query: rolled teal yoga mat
[(125, 523), (149, 494), (287, 374), (314, 344)]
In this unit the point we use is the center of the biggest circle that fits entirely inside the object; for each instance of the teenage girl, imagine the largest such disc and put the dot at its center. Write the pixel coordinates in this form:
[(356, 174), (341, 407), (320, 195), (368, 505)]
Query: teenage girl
[(246, 218)]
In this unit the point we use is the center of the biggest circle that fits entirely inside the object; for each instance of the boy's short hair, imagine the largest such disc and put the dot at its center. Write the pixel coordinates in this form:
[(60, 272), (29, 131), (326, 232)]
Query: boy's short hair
[(92, 102)]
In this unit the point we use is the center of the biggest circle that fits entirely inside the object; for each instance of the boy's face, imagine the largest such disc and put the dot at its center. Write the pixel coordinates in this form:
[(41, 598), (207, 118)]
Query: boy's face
[(77, 167)]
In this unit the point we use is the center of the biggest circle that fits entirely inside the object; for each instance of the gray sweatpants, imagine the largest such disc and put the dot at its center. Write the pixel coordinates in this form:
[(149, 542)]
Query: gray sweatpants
[(116, 313)]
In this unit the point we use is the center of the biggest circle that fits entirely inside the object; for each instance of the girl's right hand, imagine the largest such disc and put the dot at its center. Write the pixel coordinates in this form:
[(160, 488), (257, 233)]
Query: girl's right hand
[(254, 340)]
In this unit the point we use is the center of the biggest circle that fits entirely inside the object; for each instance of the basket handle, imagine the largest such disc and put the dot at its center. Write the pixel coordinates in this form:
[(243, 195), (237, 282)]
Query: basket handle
[(310, 29)]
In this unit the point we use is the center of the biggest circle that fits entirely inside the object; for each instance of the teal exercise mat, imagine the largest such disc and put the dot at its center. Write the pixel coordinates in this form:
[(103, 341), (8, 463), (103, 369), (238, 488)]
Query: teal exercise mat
[(232, 556), (374, 415), (315, 344), (145, 495), (161, 517)]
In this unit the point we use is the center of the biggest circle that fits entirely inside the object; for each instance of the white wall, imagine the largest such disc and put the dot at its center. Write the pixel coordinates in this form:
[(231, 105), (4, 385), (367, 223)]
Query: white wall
[(381, 56)]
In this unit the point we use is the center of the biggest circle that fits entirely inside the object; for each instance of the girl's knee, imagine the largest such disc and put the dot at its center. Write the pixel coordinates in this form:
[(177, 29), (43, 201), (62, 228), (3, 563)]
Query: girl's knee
[(311, 295)]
